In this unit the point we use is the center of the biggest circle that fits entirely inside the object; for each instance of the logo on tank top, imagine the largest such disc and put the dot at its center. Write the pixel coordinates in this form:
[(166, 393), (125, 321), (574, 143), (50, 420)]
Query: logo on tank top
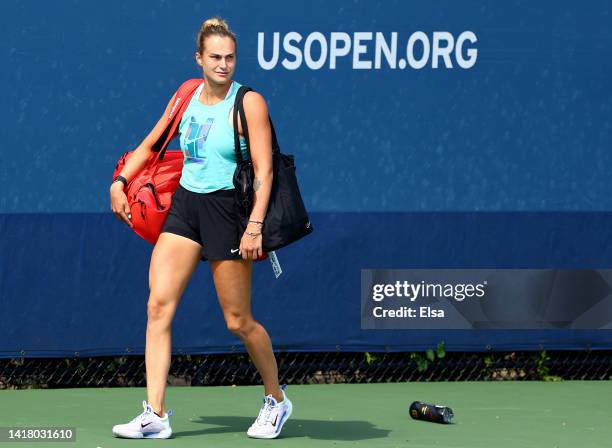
[(194, 145)]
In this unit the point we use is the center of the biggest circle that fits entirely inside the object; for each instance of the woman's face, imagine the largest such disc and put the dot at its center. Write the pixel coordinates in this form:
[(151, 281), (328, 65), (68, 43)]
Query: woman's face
[(218, 60)]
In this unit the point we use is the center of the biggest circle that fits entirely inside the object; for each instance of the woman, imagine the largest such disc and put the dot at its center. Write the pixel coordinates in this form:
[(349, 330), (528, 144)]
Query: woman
[(201, 225)]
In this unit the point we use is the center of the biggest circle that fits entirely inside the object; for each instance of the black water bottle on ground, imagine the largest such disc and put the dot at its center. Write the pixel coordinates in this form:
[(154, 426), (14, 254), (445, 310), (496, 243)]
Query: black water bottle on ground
[(431, 412)]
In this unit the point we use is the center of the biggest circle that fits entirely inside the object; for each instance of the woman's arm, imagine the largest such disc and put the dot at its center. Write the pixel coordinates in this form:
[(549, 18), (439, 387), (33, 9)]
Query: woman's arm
[(137, 161), (144, 151), (260, 140)]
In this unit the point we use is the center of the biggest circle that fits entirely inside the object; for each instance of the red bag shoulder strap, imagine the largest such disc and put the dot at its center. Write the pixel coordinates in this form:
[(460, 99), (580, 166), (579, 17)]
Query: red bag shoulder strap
[(181, 101)]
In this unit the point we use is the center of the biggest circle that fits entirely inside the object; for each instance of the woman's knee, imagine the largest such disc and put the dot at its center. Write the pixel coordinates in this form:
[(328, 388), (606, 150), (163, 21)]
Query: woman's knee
[(241, 326), (159, 309)]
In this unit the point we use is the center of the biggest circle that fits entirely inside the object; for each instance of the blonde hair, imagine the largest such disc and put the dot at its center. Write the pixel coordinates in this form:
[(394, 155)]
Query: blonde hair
[(215, 26)]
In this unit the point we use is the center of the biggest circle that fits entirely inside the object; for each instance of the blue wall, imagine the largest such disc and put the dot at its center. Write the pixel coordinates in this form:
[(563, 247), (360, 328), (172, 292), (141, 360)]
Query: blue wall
[(82, 294), (503, 164)]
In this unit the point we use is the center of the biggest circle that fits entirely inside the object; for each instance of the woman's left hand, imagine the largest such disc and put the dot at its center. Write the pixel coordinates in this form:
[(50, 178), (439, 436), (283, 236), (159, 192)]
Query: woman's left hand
[(250, 246)]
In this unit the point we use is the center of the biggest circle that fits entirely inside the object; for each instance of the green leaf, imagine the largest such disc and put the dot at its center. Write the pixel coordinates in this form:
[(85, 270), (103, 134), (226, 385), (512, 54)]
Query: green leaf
[(422, 364), (430, 355)]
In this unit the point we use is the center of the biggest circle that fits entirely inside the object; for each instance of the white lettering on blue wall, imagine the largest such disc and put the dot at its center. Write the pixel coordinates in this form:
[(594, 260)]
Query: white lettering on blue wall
[(365, 50)]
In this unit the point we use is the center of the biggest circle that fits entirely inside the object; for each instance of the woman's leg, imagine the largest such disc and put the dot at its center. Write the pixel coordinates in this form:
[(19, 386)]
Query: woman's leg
[(173, 261), (233, 284)]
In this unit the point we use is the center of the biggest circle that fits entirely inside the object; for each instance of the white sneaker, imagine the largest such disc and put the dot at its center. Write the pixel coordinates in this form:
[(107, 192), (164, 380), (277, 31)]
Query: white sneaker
[(272, 416), (146, 426)]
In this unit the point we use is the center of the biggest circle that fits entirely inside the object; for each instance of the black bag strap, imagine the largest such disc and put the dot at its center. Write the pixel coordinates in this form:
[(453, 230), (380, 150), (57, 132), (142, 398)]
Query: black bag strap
[(245, 130), (239, 109)]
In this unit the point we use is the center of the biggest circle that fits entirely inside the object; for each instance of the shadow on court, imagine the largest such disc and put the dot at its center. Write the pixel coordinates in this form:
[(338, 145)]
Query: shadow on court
[(314, 429)]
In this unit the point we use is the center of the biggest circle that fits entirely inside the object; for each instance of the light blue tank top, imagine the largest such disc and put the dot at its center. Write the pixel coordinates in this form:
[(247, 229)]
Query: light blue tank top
[(207, 142)]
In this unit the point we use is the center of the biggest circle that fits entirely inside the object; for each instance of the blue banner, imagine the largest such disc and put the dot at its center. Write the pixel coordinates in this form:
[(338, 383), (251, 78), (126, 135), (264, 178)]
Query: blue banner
[(499, 106)]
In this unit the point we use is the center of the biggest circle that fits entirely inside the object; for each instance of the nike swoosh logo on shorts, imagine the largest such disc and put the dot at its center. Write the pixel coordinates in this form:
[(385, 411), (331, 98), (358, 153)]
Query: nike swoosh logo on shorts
[(234, 250)]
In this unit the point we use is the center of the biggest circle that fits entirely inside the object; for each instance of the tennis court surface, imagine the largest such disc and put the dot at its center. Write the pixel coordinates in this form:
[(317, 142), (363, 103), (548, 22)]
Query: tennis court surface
[(487, 414)]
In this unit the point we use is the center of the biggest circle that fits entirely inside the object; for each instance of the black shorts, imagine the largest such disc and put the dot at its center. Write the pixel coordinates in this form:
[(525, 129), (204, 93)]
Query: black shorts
[(208, 219)]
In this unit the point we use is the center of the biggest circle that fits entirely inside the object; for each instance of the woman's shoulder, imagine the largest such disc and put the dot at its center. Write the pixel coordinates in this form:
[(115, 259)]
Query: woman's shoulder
[(255, 102)]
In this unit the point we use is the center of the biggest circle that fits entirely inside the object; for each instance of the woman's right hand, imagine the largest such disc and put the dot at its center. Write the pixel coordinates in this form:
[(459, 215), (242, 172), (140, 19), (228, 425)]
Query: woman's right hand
[(119, 203)]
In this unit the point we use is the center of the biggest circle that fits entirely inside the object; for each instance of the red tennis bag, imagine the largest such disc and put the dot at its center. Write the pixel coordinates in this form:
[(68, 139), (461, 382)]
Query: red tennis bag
[(149, 193)]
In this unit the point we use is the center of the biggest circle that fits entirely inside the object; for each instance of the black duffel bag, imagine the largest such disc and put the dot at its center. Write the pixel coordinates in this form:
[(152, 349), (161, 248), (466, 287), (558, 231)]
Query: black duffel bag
[(286, 220)]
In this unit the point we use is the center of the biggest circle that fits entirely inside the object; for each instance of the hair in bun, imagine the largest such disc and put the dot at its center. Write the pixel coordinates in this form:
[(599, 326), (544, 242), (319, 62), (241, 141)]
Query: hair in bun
[(215, 26)]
